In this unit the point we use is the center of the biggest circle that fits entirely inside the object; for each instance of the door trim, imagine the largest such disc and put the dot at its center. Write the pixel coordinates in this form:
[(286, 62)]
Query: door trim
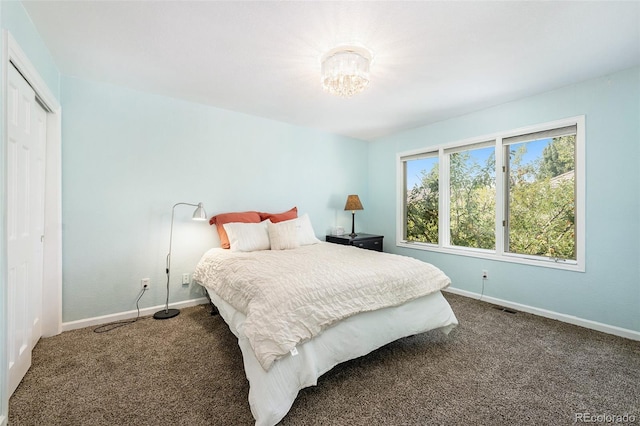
[(52, 267), (52, 248)]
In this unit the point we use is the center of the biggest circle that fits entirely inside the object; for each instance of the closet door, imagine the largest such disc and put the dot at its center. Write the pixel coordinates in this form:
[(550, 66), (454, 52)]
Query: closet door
[(25, 223)]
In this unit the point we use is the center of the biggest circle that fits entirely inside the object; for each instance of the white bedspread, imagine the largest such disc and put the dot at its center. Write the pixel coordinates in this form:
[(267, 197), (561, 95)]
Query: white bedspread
[(290, 296)]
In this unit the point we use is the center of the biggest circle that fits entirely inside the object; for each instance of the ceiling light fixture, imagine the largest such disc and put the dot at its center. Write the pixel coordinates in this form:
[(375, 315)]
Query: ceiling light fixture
[(345, 71)]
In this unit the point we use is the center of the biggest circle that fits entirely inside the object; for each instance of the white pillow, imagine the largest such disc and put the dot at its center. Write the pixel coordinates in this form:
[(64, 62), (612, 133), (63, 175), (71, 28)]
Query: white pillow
[(248, 236), (306, 236), (283, 235)]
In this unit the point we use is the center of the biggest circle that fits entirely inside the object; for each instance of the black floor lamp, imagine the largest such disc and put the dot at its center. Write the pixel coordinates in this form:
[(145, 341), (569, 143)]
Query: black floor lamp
[(198, 214)]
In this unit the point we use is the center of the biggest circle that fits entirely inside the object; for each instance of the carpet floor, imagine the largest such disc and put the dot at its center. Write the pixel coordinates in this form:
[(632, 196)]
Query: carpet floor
[(495, 368)]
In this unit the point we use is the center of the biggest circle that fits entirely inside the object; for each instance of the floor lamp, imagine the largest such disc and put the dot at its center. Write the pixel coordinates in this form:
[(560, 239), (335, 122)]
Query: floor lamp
[(198, 214)]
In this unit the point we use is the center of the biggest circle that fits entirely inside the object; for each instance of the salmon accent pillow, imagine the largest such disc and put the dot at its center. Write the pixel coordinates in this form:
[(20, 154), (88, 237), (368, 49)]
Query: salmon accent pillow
[(221, 219), (280, 217)]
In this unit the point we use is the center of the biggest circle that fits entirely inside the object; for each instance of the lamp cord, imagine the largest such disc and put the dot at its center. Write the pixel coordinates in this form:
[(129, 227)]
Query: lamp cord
[(166, 304), (113, 325)]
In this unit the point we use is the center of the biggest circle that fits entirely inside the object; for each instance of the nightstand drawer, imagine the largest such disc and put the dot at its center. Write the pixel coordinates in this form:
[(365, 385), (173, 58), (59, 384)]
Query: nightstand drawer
[(365, 241), (338, 239), (372, 244)]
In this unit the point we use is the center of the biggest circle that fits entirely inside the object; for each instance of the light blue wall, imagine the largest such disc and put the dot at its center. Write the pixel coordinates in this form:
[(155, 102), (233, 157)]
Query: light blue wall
[(129, 156), (609, 291)]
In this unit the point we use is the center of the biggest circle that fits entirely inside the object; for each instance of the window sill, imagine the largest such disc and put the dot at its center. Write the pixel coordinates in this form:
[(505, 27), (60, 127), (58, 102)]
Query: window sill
[(492, 255)]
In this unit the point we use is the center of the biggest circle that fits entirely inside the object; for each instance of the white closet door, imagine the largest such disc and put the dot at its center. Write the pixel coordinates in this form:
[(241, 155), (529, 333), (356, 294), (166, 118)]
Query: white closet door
[(25, 223)]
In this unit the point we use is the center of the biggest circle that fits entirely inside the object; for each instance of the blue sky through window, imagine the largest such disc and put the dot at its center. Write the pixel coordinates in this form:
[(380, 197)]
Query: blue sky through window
[(415, 167), (534, 149)]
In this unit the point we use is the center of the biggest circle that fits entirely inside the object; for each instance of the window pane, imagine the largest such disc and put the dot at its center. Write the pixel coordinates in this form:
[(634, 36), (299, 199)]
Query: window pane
[(541, 198), (472, 184), (421, 200)]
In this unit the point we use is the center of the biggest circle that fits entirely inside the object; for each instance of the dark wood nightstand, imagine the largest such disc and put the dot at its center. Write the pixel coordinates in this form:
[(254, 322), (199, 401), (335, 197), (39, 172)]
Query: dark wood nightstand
[(365, 241)]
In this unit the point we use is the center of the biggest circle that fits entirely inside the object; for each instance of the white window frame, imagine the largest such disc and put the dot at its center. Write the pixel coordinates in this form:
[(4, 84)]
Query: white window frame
[(499, 254)]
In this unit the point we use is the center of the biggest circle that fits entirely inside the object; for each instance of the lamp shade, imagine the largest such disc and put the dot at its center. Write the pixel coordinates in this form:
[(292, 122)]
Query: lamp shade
[(353, 203), (199, 213)]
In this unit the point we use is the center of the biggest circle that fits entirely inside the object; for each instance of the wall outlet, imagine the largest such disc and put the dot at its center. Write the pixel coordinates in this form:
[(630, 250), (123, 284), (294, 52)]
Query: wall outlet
[(145, 283), (485, 274), (186, 279)]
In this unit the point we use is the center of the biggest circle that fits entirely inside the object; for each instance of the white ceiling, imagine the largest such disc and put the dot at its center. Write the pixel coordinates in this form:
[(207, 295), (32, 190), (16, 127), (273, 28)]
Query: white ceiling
[(433, 60)]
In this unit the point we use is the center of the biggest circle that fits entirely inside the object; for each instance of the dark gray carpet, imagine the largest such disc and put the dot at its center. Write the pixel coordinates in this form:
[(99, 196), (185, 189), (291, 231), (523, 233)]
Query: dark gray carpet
[(496, 368)]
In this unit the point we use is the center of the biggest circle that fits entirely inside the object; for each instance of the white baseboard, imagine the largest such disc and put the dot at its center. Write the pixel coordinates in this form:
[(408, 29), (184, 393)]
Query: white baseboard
[(105, 319), (593, 325)]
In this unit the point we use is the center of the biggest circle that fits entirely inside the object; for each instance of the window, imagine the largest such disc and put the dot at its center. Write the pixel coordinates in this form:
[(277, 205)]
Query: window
[(422, 198), (472, 189), (540, 196), (517, 196)]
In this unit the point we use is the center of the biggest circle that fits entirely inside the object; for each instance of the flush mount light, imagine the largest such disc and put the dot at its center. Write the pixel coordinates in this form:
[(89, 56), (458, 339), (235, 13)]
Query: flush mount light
[(345, 70)]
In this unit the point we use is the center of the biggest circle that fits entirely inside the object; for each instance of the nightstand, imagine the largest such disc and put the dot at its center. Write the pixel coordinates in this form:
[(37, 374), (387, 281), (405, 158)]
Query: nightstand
[(365, 241)]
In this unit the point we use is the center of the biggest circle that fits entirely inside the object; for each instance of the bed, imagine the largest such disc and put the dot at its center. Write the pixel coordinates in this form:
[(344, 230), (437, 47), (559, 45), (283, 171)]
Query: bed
[(300, 310)]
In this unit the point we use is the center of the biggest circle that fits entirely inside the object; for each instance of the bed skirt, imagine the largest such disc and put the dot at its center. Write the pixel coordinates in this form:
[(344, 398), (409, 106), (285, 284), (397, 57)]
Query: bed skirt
[(272, 393)]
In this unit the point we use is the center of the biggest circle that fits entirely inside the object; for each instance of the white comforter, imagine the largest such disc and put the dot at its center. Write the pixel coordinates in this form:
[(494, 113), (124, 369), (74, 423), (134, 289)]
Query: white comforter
[(290, 296)]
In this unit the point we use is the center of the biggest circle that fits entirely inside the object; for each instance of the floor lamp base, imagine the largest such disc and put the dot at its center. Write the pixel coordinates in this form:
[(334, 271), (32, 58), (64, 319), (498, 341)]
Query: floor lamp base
[(166, 313)]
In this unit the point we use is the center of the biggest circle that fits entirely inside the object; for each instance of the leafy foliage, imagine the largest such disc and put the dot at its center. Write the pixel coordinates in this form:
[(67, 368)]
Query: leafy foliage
[(472, 201), (558, 157), (422, 209), (541, 202)]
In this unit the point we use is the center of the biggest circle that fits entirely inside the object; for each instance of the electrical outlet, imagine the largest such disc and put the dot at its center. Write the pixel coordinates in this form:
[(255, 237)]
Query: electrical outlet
[(145, 283), (185, 279), (485, 274)]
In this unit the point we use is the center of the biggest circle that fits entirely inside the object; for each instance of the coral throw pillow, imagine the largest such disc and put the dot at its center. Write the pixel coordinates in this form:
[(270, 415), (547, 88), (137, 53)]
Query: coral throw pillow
[(280, 217)]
